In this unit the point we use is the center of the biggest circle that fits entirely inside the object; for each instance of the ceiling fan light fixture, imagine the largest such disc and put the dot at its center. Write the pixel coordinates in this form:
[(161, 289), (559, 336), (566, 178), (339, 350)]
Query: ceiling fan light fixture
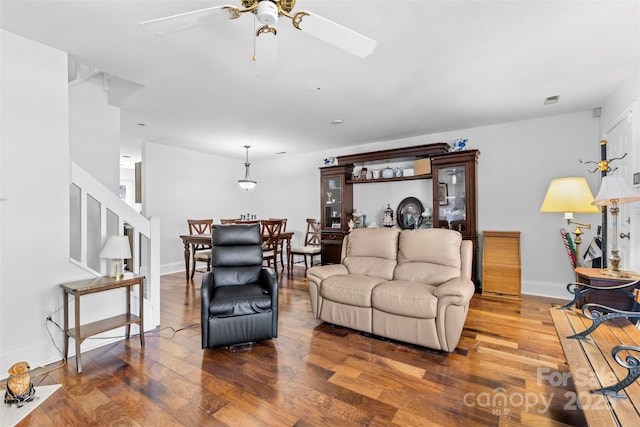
[(267, 12), (247, 183)]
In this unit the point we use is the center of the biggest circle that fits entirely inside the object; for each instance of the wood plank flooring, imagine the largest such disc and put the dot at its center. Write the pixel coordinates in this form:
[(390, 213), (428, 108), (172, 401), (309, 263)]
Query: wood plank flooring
[(509, 369)]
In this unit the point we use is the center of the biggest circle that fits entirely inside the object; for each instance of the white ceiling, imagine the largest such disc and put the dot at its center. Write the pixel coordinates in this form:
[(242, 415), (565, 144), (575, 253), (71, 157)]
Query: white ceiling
[(439, 65)]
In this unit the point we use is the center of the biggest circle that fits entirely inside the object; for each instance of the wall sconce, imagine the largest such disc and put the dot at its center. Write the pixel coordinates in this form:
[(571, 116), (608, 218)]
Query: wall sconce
[(614, 191), (569, 196), (117, 248)]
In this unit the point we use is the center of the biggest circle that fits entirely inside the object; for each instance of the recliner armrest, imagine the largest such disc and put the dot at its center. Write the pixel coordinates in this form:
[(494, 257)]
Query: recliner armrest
[(458, 291), (269, 281), (206, 292)]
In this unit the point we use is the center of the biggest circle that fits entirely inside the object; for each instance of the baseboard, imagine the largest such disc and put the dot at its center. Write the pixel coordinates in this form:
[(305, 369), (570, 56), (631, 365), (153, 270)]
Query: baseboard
[(171, 268), (546, 289)]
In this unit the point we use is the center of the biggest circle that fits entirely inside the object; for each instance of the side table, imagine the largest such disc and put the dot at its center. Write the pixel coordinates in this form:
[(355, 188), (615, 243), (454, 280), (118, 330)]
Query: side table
[(91, 286), (613, 299)]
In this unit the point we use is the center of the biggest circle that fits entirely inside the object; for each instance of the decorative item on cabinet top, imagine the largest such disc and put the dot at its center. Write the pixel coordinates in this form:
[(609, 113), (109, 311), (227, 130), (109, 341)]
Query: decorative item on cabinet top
[(399, 160), (330, 161), (459, 144)]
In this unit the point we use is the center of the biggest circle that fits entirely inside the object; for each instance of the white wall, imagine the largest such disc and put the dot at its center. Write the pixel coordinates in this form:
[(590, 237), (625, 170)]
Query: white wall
[(616, 103), (181, 184), (94, 132), (34, 218), (516, 163), (35, 155)]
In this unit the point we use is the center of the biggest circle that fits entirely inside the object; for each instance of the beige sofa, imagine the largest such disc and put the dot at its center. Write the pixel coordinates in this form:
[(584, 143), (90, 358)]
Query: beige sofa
[(408, 285)]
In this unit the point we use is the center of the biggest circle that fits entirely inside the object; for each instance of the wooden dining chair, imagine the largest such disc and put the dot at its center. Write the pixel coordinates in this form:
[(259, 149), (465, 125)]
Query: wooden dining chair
[(282, 249), (271, 229), (200, 253), (311, 246)]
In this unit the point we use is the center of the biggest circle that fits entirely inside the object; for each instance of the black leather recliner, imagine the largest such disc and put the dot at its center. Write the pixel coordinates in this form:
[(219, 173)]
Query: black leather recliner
[(239, 297)]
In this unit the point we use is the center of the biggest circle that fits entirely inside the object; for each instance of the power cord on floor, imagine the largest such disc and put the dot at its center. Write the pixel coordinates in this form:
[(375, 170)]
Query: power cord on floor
[(175, 331), (36, 373), (154, 331)]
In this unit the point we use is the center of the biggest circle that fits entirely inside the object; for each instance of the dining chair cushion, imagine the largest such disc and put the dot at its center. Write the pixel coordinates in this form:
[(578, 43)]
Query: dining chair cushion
[(308, 250), (203, 255)]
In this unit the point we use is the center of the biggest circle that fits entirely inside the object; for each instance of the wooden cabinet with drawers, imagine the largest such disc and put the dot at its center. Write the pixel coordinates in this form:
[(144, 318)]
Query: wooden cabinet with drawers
[(501, 267)]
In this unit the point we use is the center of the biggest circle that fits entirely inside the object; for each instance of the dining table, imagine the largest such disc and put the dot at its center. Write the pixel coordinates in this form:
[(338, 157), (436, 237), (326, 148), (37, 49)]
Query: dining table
[(190, 240)]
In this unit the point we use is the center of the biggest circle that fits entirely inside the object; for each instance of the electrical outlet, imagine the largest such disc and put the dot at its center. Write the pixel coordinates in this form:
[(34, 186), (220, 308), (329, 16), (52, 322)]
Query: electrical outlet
[(46, 316)]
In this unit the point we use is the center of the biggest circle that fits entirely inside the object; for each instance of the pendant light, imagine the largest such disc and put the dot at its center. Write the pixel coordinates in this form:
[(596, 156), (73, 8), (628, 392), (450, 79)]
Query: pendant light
[(247, 183)]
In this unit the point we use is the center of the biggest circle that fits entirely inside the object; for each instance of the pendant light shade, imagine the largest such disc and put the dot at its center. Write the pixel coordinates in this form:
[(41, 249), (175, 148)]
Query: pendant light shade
[(247, 183)]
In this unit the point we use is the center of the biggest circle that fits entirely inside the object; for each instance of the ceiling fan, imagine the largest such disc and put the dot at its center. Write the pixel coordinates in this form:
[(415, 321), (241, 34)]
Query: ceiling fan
[(267, 13)]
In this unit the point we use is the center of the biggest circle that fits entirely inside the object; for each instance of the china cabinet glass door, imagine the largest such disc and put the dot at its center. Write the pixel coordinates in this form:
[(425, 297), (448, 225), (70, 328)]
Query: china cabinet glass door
[(454, 192), (452, 198), (333, 202)]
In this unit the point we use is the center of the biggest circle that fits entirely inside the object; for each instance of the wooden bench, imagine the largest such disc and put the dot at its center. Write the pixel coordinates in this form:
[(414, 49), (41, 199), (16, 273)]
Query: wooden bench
[(600, 380)]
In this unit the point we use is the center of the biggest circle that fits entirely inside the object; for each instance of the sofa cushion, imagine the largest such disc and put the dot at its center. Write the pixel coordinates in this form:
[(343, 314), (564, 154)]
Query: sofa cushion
[(410, 299), (350, 289), (372, 252), (430, 256)]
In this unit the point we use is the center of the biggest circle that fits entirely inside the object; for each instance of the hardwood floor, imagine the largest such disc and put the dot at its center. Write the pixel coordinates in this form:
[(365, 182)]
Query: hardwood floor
[(508, 369)]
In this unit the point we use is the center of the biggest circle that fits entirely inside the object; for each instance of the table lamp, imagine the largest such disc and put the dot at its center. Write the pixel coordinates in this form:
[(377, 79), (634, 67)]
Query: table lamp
[(570, 195), (117, 248), (614, 191)]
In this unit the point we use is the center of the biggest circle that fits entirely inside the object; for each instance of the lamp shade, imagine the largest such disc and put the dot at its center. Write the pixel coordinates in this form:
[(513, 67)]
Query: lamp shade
[(569, 195), (117, 247), (614, 189)]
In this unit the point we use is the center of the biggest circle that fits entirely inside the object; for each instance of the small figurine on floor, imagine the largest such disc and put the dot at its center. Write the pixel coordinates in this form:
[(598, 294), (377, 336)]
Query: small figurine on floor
[(19, 386)]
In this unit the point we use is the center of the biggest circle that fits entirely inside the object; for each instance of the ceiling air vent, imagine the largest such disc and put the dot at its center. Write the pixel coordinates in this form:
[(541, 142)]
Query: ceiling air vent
[(551, 100)]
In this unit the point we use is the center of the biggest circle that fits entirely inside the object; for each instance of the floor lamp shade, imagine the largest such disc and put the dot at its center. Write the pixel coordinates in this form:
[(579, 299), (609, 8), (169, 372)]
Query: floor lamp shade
[(613, 189)]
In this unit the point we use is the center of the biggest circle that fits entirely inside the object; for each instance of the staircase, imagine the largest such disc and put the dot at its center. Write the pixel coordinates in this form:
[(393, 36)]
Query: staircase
[(97, 213)]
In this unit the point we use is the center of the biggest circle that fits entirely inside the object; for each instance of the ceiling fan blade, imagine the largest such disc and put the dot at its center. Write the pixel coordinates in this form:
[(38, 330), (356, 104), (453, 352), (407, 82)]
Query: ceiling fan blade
[(334, 33), (182, 21), (266, 51)]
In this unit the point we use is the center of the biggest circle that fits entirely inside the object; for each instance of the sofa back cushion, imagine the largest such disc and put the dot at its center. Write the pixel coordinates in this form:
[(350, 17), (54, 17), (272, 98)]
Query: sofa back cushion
[(430, 256), (372, 252)]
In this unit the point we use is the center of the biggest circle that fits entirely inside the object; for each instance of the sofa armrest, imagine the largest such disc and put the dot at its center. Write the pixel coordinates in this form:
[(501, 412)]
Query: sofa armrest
[(322, 272), (453, 305), (315, 276), (456, 291)]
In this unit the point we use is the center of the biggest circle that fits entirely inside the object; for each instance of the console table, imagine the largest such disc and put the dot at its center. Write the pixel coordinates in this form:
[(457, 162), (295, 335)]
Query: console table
[(614, 299), (91, 286)]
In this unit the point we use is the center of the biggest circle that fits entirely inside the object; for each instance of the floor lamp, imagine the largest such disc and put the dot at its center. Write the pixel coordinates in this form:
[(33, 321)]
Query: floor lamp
[(569, 196), (613, 192)]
